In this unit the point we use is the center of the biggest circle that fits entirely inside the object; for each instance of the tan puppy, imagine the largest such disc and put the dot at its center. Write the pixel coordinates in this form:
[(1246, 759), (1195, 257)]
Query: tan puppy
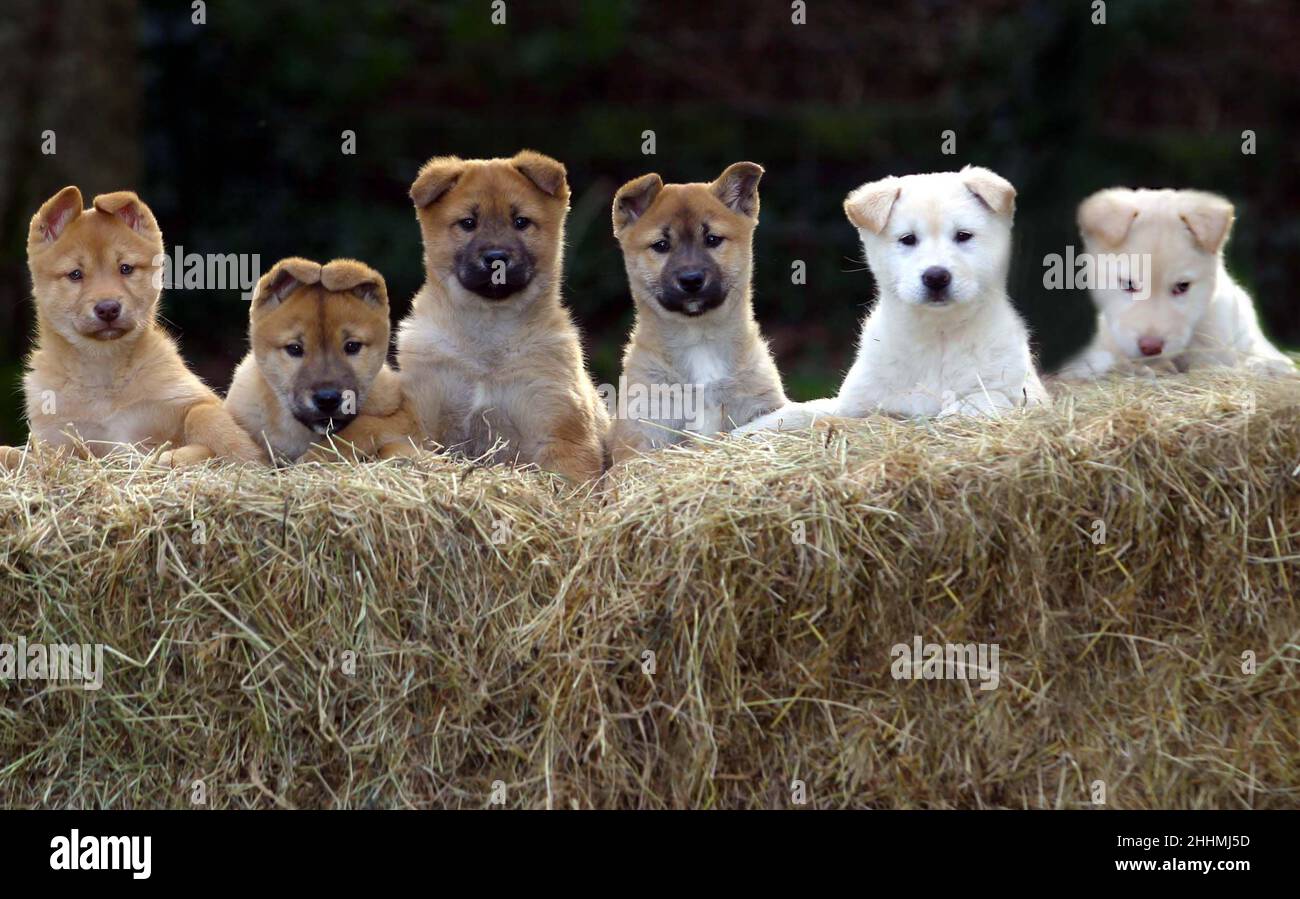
[(1169, 303), (103, 371), (696, 360), (488, 353), (319, 337)]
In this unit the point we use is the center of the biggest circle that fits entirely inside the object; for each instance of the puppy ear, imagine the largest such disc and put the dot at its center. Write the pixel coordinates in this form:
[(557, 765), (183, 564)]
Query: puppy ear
[(357, 278), (634, 198), (992, 189), (737, 187), (131, 210), (546, 173), (1208, 217), (436, 177), (1107, 216), (54, 216), (283, 279), (868, 206)]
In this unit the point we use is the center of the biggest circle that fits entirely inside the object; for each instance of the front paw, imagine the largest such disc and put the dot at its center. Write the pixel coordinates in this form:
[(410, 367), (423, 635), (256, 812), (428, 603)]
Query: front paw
[(402, 449), (184, 456)]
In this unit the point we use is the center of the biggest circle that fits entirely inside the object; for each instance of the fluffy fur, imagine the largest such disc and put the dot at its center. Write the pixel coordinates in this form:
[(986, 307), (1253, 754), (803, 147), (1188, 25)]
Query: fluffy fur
[(489, 356), (319, 338), (1191, 314), (942, 338), (689, 257), (104, 375)]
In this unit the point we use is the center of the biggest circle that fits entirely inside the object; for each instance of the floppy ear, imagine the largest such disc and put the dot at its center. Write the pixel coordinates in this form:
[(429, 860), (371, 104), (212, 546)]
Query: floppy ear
[(436, 177), (634, 198), (284, 278), (1107, 216), (737, 187), (993, 190), (131, 210), (546, 173), (869, 206), (54, 216), (1208, 217), (357, 278)]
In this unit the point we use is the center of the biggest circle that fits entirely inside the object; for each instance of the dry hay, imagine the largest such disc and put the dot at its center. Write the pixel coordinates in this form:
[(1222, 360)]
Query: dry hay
[(523, 660)]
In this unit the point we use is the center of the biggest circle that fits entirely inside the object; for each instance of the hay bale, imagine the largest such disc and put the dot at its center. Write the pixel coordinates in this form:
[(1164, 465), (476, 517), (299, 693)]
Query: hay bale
[(523, 660)]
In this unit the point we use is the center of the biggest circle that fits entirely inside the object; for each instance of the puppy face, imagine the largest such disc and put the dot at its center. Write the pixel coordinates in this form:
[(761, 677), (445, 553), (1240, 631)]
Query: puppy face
[(688, 247), (320, 336), (493, 228), (93, 271), (1178, 236), (936, 240)]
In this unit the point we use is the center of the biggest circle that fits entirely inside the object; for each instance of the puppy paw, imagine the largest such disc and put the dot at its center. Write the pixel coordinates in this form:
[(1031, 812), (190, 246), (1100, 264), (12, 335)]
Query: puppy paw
[(183, 456), (1272, 368), (401, 450)]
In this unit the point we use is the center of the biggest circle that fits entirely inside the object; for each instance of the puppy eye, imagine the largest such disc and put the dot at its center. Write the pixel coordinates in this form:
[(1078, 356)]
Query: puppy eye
[(74, 275), (522, 222), (352, 347), (126, 268), (294, 350), (713, 240), (1181, 287), (962, 236), (660, 246), (468, 224), (908, 240)]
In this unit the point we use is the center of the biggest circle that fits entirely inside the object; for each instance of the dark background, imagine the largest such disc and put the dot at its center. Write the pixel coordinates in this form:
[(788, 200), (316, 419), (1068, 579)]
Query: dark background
[(231, 131)]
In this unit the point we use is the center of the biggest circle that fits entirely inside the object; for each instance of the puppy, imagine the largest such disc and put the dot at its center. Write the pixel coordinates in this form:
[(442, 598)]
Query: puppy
[(942, 338), (104, 374), (489, 356), (319, 337), (695, 348), (1190, 313)]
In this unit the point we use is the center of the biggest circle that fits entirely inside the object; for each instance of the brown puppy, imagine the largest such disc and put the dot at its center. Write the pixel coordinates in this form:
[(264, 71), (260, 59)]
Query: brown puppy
[(488, 353), (103, 371), (696, 361), (319, 337)]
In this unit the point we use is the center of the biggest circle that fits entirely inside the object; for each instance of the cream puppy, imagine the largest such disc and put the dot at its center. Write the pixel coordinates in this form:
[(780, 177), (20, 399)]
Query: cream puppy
[(942, 338), (696, 361), (1190, 313)]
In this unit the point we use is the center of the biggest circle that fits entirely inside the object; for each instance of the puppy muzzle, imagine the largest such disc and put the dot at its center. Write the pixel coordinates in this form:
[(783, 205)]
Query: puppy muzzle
[(692, 303)]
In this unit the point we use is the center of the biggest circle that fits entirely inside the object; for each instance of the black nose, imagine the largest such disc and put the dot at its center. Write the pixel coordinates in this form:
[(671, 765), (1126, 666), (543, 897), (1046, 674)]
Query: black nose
[(691, 281), (492, 257), (936, 278), (327, 401), (108, 310)]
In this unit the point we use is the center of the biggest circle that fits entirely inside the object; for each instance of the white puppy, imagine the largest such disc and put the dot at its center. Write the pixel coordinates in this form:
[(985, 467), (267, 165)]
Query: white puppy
[(1189, 313), (942, 338)]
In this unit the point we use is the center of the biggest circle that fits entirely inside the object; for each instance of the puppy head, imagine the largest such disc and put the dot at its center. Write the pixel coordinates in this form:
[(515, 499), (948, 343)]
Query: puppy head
[(1155, 256), (320, 336), (688, 247), (493, 228), (936, 240), (93, 271)]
